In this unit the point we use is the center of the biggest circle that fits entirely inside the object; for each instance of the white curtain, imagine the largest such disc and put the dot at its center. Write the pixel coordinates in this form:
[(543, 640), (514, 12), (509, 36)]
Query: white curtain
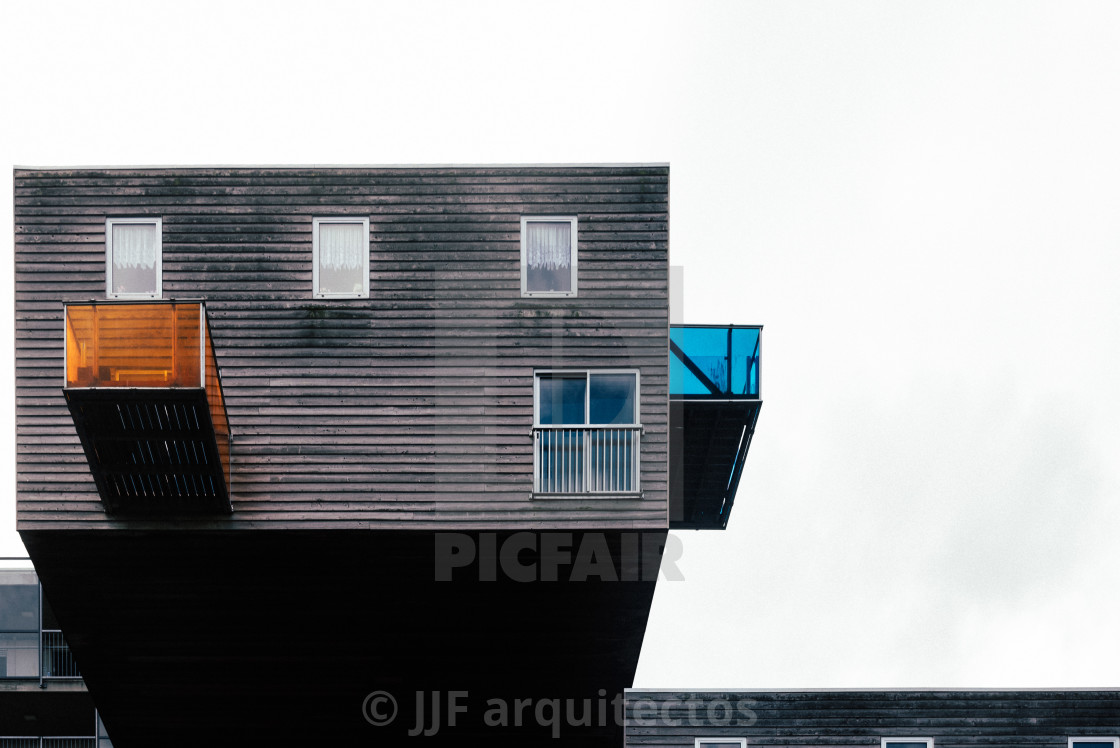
[(134, 245), (341, 246), (549, 245)]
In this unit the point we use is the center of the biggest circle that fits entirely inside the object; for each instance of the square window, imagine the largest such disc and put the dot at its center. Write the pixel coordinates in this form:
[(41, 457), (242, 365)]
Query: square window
[(721, 743), (548, 256), (340, 258), (906, 743), (1093, 741), (134, 258)]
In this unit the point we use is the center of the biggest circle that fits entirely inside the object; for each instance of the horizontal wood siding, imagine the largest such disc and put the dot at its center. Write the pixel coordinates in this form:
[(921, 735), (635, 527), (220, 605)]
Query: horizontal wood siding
[(412, 408), (954, 719)]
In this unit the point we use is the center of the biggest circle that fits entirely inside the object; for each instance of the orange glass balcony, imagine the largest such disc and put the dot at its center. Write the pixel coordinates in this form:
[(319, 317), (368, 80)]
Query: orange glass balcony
[(143, 386)]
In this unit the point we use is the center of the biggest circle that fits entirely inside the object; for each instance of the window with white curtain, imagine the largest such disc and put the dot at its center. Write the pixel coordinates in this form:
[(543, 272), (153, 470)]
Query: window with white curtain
[(134, 258), (548, 256), (341, 258)]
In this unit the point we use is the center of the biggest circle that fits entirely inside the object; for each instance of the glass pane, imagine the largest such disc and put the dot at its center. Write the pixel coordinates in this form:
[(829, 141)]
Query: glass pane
[(134, 258), (19, 655), (50, 622), (342, 264), (19, 607), (1092, 744), (906, 744), (133, 345), (562, 400), (548, 256), (714, 362), (612, 398)]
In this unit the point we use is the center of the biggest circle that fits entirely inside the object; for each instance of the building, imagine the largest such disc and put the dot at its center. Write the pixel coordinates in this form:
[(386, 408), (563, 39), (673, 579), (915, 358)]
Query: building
[(288, 438), (43, 701), (360, 455), (883, 719)]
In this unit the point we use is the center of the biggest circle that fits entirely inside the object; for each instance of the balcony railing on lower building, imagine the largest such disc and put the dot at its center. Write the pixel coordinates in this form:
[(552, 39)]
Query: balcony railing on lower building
[(53, 742), (143, 387), (57, 659), (586, 459)]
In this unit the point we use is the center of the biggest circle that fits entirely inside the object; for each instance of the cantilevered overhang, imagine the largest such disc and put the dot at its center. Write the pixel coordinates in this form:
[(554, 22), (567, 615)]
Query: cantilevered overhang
[(143, 387), (714, 399)]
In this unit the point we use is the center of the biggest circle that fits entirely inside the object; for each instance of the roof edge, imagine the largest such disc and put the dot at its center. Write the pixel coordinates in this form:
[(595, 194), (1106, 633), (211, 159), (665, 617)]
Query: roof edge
[(538, 165), (988, 689)]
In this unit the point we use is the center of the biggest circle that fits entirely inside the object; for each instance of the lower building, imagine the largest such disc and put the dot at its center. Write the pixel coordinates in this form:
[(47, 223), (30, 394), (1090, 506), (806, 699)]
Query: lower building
[(44, 702), (874, 718)]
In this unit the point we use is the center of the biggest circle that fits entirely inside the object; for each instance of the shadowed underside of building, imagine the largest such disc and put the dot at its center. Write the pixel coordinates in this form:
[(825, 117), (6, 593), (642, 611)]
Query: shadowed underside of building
[(280, 637)]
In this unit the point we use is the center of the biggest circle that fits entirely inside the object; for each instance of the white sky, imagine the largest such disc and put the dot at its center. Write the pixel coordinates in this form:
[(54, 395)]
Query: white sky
[(919, 201)]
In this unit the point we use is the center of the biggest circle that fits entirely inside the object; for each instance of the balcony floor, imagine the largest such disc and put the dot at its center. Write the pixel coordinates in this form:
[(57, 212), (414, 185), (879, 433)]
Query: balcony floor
[(708, 445), (151, 450)]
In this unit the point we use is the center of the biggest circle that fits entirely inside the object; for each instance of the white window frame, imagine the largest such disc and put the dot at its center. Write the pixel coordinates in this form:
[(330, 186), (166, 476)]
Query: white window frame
[(1071, 742), (109, 223), (703, 742), (525, 292), (896, 739), (586, 428), (587, 394), (315, 223)]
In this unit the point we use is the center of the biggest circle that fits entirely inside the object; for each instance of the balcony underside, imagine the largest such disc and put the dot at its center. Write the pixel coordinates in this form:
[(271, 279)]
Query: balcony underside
[(151, 450), (708, 445)]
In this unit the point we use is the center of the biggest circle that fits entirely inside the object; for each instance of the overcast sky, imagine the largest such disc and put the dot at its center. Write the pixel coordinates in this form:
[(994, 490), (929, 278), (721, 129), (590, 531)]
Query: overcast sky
[(920, 201)]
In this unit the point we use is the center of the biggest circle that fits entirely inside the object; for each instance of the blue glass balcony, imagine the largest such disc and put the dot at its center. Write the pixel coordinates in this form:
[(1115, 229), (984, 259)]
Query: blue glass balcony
[(714, 362), (714, 401)]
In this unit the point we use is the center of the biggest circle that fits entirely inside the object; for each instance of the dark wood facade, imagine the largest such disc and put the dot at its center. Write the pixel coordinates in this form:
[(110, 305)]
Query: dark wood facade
[(409, 409), (951, 718)]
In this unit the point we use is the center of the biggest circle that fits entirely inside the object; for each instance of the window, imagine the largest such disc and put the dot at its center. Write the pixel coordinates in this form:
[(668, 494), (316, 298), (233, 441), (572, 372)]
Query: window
[(548, 256), (19, 625), (1093, 741), (134, 258), (586, 432), (721, 743), (341, 258), (907, 743)]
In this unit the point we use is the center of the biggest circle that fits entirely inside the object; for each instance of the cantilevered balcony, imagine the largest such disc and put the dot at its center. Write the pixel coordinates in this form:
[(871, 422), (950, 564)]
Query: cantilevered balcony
[(714, 399), (143, 387)]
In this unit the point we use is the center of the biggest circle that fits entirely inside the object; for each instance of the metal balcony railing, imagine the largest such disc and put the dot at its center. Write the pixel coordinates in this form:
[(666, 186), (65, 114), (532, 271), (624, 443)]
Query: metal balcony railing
[(57, 659), (586, 459)]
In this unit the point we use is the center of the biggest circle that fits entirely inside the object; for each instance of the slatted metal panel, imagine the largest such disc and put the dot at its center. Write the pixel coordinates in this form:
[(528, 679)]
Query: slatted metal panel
[(151, 450), (408, 409)]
